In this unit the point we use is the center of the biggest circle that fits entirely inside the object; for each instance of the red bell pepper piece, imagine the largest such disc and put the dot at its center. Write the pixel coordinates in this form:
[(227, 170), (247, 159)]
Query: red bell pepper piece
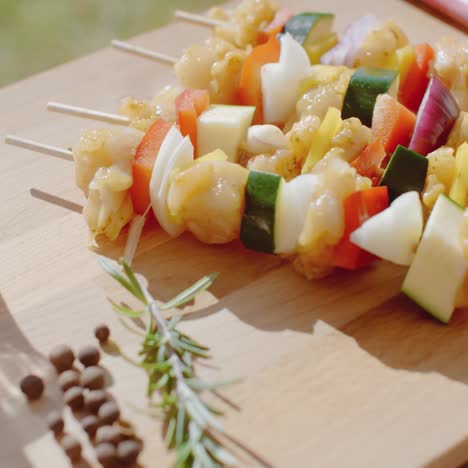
[(414, 87), (189, 105), (143, 162), (358, 207)]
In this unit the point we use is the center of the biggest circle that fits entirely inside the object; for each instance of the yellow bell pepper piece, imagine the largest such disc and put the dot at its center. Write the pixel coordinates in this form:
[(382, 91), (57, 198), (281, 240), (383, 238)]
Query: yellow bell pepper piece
[(401, 60), (216, 155), (459, 189), (318, 48), (321, 144)]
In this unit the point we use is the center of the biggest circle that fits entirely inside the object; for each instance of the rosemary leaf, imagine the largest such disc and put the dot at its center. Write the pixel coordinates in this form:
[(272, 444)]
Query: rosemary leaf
[(187, 358), (207, 417), (214, 410), (202, 455), (166, 402), (161, 353), (190, 348), (191, 292), (174, 321), (170, 432), (158, 367), (183, 452), (110, 267), (198, 384), (167, 356), (193, 411), (180, 426), (219, 453), (188, 340), (130, 328), (133, 280), (126, 311), (161, 382)]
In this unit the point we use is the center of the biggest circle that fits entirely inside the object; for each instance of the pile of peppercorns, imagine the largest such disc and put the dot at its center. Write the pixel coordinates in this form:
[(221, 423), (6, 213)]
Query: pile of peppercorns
[(83, 390)]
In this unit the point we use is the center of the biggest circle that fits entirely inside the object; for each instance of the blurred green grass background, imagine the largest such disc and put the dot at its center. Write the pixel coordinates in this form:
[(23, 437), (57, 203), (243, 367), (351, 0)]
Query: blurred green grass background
[(39, 34)]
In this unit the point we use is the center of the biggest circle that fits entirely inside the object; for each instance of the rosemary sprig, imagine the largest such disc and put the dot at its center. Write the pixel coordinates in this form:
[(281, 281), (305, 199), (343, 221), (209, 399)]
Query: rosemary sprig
[(167, 355)]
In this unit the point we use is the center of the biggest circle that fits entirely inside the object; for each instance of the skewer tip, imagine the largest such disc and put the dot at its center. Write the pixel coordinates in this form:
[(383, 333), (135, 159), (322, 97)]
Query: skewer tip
[(88, 113), (25, 143), (143, 52), (198, 19)]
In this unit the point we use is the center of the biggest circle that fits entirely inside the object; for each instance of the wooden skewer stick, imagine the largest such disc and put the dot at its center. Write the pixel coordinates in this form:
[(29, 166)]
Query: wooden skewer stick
[(198, 19), (142, 52), (88, 113), (39, 147)]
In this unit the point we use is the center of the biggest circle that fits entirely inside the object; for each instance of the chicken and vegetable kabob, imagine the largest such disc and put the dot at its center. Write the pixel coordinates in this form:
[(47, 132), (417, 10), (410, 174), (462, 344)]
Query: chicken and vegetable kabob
[(333, 151)]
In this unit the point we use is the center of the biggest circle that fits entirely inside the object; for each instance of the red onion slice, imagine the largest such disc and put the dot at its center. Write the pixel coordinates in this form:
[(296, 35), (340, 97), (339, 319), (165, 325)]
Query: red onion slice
[(436, 116)]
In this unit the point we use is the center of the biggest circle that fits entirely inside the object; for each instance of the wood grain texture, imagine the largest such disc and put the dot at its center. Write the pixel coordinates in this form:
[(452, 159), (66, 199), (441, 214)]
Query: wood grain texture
[(339, 372)]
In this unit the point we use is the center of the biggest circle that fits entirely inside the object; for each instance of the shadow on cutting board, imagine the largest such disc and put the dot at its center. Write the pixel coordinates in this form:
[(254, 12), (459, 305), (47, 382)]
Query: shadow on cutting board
[(266, 293), (364, 305), (17, 359), (402, 336), (367, 307), (283, 300), (175, 264), (23, 424)]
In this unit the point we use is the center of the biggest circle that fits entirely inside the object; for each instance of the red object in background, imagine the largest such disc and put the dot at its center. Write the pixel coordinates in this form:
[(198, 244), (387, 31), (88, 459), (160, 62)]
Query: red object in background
[(455, 9), (358, 207), (276, 26), (189, 105), (413, 89), (142, 166)]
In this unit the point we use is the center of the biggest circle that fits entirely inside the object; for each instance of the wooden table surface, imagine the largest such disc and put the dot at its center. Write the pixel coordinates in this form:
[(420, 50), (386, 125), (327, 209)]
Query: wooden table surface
[(340, 372)]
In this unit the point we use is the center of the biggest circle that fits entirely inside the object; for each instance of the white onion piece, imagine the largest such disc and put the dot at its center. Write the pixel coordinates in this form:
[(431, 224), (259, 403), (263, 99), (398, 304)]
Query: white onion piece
[(280, 81), (181, 158), (436, 116), (175, 151), (265, 139), (170, 142), (394, 233), (292, 206), (344, 53)]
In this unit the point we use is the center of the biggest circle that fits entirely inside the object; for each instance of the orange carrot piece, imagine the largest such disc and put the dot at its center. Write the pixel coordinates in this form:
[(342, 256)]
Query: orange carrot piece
[(143, 162), (414, 87), (276, 26), (392, 123), (250, 86), (189, 105), (369, 162)]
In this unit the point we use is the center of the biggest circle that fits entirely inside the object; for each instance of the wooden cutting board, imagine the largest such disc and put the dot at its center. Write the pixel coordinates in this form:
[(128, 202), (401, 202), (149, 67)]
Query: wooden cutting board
[(339, 372)]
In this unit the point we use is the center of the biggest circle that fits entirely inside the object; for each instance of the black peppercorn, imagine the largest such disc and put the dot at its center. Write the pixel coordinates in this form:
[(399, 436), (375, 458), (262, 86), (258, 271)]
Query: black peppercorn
[(32, 386), (62, 357), (102, 333), (89, 355)]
